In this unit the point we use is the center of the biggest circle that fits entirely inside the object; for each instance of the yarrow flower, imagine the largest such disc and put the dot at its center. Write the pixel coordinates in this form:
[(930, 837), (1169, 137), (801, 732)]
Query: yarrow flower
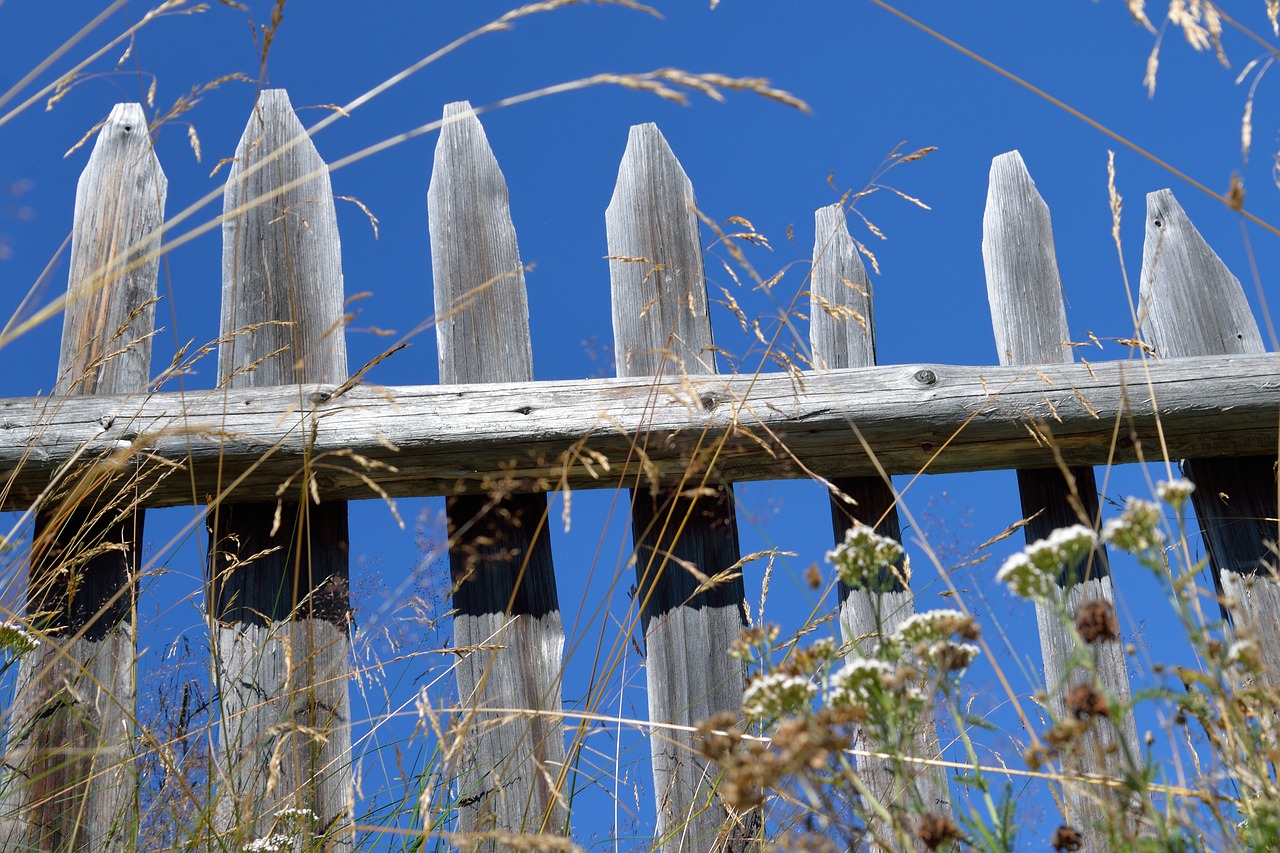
[(1032, 573), (1137, 530), (946, 655), (274, 843), (934, 625), (16, 639), (1175, 492), (777, 695), (1025, 579), (1063, 549), (863, 555), (857, 683)]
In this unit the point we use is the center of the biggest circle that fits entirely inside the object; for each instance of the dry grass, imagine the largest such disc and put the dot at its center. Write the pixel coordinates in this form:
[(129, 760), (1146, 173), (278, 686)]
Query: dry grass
[(819, 712)]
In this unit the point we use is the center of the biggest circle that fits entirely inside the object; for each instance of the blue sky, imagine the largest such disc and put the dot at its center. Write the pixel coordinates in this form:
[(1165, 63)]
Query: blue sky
[(873, 83)]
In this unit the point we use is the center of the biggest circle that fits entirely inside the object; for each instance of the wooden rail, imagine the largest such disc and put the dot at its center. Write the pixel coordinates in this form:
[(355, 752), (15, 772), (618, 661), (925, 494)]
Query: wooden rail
[(532, 435)]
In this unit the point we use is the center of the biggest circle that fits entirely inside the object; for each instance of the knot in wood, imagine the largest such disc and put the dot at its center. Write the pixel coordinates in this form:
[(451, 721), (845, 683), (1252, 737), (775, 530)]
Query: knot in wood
[(319, 397), (926, 377), (708, 401)]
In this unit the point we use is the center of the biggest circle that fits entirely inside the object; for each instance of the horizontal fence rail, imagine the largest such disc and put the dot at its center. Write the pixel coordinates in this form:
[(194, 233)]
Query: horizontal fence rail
[(433, 440)]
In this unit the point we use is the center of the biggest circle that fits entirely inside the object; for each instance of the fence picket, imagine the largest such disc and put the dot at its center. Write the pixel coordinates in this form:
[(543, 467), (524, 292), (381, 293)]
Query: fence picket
[(1190, 304), (70, 780), (661, 328), (842, 334), (513, 768), (1030, 322), (279, 571)]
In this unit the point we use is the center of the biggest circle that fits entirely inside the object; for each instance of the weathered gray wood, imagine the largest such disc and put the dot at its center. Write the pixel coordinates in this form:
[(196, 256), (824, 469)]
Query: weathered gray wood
[(444, 441), (1190, 304), (1209, 407), (512, 769), (661, 328), (1024, 289), (280, 602), (841, 335), (70, 780)]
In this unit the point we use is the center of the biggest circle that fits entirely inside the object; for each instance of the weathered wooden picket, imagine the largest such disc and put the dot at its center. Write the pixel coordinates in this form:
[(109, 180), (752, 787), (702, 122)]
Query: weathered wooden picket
[(287, 437)]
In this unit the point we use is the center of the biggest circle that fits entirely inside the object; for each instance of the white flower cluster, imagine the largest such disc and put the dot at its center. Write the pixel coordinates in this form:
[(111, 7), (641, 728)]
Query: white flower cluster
[(1137, 530), (1033, 572), (775, 695), (15, 638), (274, 843), (863, 555), (931, 626), (857, 683), (1175, 492)]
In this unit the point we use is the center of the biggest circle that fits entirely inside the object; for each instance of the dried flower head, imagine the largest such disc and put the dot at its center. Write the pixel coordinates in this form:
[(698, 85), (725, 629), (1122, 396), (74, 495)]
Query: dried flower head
[(1086, 701), (1096, 621), (863, 556), (1067, 838), (935, 830), (947, 656), (1137, 530)]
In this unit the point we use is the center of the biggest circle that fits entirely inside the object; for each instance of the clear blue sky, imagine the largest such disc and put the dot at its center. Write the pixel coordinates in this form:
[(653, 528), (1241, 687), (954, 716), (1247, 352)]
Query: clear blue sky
[(873, 82)]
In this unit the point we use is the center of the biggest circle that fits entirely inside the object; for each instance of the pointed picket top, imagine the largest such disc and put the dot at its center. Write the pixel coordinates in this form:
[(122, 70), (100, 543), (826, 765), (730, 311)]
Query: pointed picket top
[(841, 326), (1190, 303), (482, 309), (281, 256), (119, 203), (1023, 284), (659, 302), (510, 774)]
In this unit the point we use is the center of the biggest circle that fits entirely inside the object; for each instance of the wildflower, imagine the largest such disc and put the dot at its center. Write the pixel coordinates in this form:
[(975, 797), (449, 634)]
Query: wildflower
[(858, 683), (274, 843), (1096, 621), (1062, 550), (16, 639), (1024, 579), (863, 555), (1137, 530), (947, 656), (934, 625), (936, 830), (1175, 492), (777, 695), (1244, 653)]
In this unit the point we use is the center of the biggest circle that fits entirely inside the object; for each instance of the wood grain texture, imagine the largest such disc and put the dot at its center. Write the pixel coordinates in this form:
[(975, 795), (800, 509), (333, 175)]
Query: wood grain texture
[(842, 335), (1190, 305), (456, 439), (71, 781), (661, 328), (513, 772), (279, 585), (1024, 289)]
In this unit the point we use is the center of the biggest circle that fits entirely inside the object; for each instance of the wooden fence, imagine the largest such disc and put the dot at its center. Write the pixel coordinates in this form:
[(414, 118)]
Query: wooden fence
[(287, 437)]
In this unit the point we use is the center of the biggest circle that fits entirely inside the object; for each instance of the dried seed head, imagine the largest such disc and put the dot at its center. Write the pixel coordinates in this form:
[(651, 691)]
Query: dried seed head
[(1067, 838), (936, 830), (1096, 621), (1084, 701)]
